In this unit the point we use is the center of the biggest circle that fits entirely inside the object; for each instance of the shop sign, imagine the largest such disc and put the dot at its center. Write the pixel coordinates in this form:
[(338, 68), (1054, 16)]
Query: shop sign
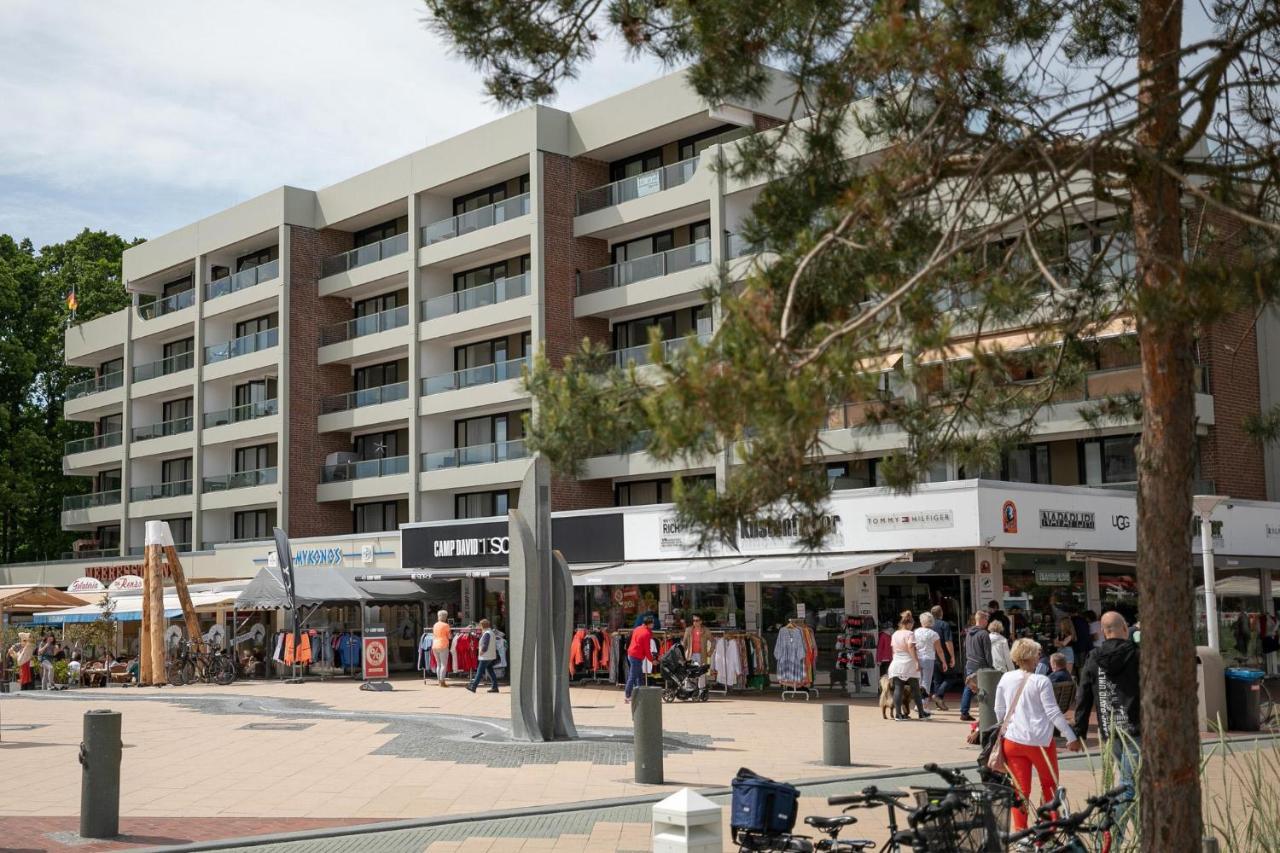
[(107, 574), (1273, 531), (1009, 517), (674, 536), (761, 533), (373, 653), (86, 585), (366, 555), (931, 519), (1121, 521), (1067, 519), (318, 557), (1053, 577), (799, 609), (582, 539), (126, 582), (1215, 527)]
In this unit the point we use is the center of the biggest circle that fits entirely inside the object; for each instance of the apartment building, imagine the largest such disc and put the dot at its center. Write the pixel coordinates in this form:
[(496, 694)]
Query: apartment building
[(347, 360)]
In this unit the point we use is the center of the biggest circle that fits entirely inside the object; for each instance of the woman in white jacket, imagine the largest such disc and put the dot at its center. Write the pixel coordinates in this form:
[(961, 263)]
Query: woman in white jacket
[(1000, 658)]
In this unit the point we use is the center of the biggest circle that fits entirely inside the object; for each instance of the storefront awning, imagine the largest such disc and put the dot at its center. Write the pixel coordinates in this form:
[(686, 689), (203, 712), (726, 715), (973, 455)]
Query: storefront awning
[(129, 608), (735, 569), (654, 571)]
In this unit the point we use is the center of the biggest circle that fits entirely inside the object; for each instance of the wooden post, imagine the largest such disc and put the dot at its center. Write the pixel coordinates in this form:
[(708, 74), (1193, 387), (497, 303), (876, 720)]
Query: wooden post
[(155, 591), (144, 632), (184, 595)]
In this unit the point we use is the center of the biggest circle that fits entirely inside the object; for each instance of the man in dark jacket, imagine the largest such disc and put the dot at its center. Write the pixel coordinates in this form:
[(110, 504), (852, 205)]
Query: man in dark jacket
[(977, 655), (1109, 680)]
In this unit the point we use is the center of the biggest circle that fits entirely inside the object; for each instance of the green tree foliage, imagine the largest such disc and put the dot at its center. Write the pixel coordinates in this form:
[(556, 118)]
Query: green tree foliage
[(33, 379)]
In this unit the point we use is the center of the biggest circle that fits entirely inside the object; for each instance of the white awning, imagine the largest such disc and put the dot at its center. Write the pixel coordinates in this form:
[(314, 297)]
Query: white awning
[(129, 608), (654, 571), (736, 569)]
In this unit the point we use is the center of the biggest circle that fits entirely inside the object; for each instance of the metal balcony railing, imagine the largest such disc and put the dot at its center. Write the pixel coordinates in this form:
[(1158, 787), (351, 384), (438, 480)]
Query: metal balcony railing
[(484, 374), (175, 489), (474, 220), (265, 339), (396, 244), (649, 266), (243, 279), (93, 442), (107, 498), (639, 355), (177, 426), (637, 186), (364, 469), (370, 324), (165, 366), (501, 290), (239, 480), (245, 412), (476, 454), (176, 302), (94, 384), (364, 397)]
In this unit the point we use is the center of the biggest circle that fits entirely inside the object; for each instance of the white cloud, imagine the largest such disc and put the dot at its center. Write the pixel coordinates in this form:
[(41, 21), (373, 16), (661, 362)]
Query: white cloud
[(139, 115)]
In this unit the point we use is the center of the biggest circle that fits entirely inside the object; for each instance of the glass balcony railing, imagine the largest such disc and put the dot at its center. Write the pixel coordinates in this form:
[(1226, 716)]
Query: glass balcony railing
[(94, 384), (637, 186), (649, 266), (364, 469), (735, 246), (484, 374), (94, 553), (107, 498), (370, 324), (476, 454), (239, 480), (243, 279), (236, 414), (474, 220), (639, 355), (211, 544), (160, 490), (176, 302), (93, 442), (396, 244), (165, 366), (492, 293), (139, 550), (364, 397), (265, 339), (177, 426)]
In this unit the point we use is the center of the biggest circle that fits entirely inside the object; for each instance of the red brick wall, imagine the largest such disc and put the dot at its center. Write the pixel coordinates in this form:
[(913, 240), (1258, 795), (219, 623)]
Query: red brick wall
[(310, 382), (766, 122)]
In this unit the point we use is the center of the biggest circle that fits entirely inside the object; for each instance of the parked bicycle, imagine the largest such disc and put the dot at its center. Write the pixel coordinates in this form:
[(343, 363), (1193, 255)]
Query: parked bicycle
[(1059, 831), (196, 663)]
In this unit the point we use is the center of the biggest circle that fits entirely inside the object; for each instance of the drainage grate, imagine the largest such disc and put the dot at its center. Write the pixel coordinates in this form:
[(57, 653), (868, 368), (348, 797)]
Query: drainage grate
[(276, 727)]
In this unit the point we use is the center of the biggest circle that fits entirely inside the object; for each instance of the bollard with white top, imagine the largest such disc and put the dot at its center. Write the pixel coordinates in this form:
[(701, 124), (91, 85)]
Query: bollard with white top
[(687, 822)]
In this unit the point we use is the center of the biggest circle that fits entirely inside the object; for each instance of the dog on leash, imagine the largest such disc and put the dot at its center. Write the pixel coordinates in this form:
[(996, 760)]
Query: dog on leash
[(886, 698)]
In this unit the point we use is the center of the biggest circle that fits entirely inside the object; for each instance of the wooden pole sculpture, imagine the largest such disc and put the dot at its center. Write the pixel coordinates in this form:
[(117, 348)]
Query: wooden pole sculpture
[(159, 535), (153, 565), (144, 633)]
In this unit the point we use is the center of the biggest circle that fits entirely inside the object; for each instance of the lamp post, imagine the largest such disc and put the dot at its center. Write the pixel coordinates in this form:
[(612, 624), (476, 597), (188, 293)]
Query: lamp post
[(1204, 506)]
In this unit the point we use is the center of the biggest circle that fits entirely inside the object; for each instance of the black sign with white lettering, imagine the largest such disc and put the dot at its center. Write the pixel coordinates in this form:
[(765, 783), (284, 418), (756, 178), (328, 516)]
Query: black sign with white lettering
[(480, 544), (1067, 519)]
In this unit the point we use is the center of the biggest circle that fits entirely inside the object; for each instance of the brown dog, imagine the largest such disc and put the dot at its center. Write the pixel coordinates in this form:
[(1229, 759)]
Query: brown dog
[(886, 698)]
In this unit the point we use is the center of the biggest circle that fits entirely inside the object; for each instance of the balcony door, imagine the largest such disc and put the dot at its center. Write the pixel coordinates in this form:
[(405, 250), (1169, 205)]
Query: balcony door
[(643, 246), (107, 481), (181, 530), (637, 164), (176, 410), (110, 424), (255, 458), (256, 391), (253, 259), (182, 347), (258, 324), (176, 470), (381, 445), (253, 524), (377, 375), (378, 304)]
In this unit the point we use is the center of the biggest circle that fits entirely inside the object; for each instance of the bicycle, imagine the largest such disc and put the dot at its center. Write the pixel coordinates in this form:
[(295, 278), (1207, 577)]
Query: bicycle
[(1063, 833), (190, 666)]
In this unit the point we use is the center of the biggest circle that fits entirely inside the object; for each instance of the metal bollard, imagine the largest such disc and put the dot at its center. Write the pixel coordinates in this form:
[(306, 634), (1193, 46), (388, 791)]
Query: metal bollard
[(835, 735), (987, 681), (646, 717), (1210, 845), (100, 777)]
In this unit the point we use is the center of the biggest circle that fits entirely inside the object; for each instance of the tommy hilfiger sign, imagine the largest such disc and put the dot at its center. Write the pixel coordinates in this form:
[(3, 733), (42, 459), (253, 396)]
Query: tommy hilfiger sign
[(1066, 519), (929, 519)]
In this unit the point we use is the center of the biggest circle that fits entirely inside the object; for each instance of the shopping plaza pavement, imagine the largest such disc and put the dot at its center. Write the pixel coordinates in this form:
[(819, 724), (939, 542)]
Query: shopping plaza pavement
[(207, 762)]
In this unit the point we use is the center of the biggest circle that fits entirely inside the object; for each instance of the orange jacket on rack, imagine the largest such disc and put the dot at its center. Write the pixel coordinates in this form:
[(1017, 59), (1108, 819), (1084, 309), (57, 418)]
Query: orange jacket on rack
[(575, 649)]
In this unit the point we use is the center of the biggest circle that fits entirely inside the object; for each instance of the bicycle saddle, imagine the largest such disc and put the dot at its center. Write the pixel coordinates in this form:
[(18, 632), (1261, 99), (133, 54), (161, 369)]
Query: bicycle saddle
[(829, 824)]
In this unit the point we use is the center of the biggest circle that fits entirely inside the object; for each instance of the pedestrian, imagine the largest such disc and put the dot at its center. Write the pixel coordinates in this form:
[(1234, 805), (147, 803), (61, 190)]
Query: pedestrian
[(946, 636), (930, 652), (884, 647), (488, 656), (48, 648), (995, 614), (441, 637), (73, 670), (639, 650), (1109, 680), (904, 668), (1058, 673), (1065, 641), (1095, 626), (697, 642), (1084, 641), (1000, 658), (977, 655), (22, 653)]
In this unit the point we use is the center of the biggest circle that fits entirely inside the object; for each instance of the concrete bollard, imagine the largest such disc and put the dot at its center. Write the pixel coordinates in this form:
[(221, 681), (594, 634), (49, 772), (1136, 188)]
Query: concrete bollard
[(100, 776), (835, 735), (687, 822), (987, 681), (646, 718)]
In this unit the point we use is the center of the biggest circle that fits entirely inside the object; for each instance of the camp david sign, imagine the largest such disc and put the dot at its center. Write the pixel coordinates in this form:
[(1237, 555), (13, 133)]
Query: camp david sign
[(1067, 519)]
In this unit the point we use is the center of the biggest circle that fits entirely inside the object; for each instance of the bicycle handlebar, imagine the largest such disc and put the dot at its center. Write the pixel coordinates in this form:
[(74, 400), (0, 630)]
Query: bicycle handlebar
[(1109, 797), (869, 795), (951, 777)]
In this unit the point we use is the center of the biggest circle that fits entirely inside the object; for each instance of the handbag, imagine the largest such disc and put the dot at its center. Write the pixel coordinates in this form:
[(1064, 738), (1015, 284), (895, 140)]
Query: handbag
[(996, 762)]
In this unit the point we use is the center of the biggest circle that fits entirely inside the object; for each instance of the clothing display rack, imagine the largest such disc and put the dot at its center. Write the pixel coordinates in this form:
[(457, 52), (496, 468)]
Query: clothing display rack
[(590, 654), (739, 661), (856, 655), (795, 652), (464, 653)]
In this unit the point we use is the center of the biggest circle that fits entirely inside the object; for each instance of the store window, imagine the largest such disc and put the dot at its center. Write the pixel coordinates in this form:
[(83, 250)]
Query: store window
[(614, 606), (1118, 589), (1243, 621), (930, 578), (719, 604), (1045, 586)]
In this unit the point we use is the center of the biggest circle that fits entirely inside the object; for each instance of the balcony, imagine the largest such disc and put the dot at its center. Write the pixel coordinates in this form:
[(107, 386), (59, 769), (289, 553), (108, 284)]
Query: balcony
[(177, 426), (256, 342), (139, 550), (368, 325), (735, 246), (175, 489), (164, 367), (364, 397), (77, 502), (94, 385), (93, 442), (639, 355), (239, 480), (396, 244), (474, 220), (211, 545), (93, 553), (244, 279), (476, 454), (637, 186), (168, 305), (650, 266), (485, 374), (492, 293), (239, 414), (364, 469)]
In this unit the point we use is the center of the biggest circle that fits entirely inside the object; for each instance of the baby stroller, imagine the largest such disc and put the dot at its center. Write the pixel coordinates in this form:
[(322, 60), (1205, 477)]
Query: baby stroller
[(680, 677)]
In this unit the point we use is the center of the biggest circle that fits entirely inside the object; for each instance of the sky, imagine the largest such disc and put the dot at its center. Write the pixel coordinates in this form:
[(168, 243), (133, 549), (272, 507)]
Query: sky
[(141, 116)]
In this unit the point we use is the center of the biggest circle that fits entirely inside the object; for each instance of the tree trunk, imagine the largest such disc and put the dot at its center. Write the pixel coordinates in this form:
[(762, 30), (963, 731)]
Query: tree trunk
[(1170, 783)]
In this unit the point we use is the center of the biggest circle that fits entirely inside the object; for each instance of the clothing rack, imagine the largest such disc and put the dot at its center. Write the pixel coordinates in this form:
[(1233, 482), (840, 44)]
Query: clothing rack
[(425, 657), (803, 667), (719, 686), (595, 674)]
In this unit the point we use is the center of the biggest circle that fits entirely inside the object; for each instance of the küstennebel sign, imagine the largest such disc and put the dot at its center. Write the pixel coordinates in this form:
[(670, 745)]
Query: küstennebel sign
[(582, 539)]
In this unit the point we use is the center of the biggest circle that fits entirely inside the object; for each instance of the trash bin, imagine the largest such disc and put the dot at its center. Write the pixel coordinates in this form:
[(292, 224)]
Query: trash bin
[(1211, 689), (1244, 699)]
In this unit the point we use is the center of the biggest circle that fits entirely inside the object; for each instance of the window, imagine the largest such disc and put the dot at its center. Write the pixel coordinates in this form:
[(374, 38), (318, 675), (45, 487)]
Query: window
[(488, 196), (377, 375), (253, 524), (253, 259), (255, 458), (485, 352), (647, 492), (378, 304), (181, 285), (493, 429), (390, 228), (181, 530), (691, 146), (176, 410), (175, 470), (107, 481), (643, 246), (114, 365), (699, 231), (853, 474), (484, 275), (182, 347), (381, 516), (381, 445), (256, 325), (635, 165), (484, 504), (635, 333), (1109, 461), (109, 424), (256, 391), (1027, 464), (108, 537)]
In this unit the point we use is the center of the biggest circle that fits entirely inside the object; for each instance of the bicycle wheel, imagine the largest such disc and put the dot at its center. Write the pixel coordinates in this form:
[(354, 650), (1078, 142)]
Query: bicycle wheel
[(188, 672), (224, 671), (173, 673)]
